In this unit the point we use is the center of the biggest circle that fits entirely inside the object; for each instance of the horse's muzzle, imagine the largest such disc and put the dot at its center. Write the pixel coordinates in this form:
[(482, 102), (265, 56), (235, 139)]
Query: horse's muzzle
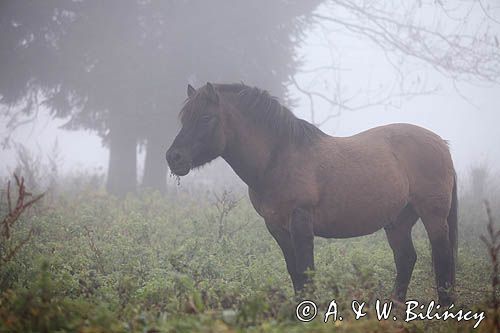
[(179, 165)]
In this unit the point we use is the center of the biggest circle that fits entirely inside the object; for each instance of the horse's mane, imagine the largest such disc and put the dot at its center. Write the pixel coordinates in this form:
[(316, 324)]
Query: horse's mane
[(265, 110)]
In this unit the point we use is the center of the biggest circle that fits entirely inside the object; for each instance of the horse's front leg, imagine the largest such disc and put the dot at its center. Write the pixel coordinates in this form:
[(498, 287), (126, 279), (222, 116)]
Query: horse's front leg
[(284, 240), (301, 230)]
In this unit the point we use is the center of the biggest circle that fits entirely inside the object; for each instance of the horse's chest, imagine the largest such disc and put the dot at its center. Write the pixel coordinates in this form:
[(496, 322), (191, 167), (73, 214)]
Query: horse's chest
[(263, 207), (273, 204)]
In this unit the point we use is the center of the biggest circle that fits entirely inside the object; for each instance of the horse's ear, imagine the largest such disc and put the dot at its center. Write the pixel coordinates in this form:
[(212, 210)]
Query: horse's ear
[(190, 91), (212, 94)]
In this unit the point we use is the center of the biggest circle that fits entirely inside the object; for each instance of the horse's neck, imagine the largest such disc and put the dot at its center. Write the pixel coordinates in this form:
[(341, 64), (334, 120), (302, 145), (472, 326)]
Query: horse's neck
[(249, 153)]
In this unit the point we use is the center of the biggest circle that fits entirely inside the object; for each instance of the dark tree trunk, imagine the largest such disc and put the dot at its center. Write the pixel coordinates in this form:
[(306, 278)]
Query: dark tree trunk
[(155, 166), (122, 169)]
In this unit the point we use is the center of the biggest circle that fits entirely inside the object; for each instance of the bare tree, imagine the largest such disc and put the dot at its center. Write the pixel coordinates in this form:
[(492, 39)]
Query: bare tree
[(458, 40)]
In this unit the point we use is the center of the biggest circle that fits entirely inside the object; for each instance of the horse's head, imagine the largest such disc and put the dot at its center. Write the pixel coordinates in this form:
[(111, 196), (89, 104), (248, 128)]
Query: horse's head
[(201, 138)]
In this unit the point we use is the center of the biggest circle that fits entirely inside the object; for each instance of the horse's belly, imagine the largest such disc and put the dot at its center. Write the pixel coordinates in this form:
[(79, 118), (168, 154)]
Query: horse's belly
[(357, 220), (338, 229), (361, 203)]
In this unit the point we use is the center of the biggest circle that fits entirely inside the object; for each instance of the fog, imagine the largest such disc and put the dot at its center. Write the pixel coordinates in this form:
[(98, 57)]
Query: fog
[(97, 234), (464, 113)]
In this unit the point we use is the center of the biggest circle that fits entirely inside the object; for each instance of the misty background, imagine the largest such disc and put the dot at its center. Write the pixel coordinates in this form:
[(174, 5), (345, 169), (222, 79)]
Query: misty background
[(102, 83)]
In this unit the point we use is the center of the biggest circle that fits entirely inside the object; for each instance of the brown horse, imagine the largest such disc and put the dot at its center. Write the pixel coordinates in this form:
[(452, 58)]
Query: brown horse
[(305, 183)]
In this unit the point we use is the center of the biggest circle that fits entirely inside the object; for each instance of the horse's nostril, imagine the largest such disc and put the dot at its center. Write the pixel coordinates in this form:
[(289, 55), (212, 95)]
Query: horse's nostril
[(174, 156)]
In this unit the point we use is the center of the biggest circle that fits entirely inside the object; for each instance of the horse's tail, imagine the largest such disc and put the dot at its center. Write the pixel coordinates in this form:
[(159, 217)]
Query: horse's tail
[(453, 229)]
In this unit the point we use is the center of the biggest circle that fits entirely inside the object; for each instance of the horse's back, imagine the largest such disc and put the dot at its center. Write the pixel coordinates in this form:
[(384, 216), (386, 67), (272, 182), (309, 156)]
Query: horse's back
[(373, 175), (422, 155)]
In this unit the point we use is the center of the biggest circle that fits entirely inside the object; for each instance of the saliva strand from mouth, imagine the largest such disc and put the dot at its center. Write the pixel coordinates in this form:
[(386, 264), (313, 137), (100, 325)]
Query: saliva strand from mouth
[(177, 178)]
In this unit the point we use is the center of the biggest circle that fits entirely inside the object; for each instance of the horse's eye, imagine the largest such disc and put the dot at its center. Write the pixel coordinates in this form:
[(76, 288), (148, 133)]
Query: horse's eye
[(206, 118)]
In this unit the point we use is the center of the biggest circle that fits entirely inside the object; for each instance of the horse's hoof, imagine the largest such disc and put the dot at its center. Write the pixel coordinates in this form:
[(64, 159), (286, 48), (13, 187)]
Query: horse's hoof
[(398, 303)]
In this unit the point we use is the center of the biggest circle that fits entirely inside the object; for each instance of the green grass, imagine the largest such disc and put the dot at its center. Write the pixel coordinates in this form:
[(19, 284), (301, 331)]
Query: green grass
[(153, 263)]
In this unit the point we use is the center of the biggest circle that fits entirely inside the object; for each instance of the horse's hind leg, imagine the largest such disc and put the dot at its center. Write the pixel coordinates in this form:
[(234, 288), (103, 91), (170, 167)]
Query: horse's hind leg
[(399, 237), (436, 226)]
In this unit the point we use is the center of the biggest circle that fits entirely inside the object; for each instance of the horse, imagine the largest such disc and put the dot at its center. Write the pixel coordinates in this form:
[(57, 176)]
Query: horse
[(305, 183)]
